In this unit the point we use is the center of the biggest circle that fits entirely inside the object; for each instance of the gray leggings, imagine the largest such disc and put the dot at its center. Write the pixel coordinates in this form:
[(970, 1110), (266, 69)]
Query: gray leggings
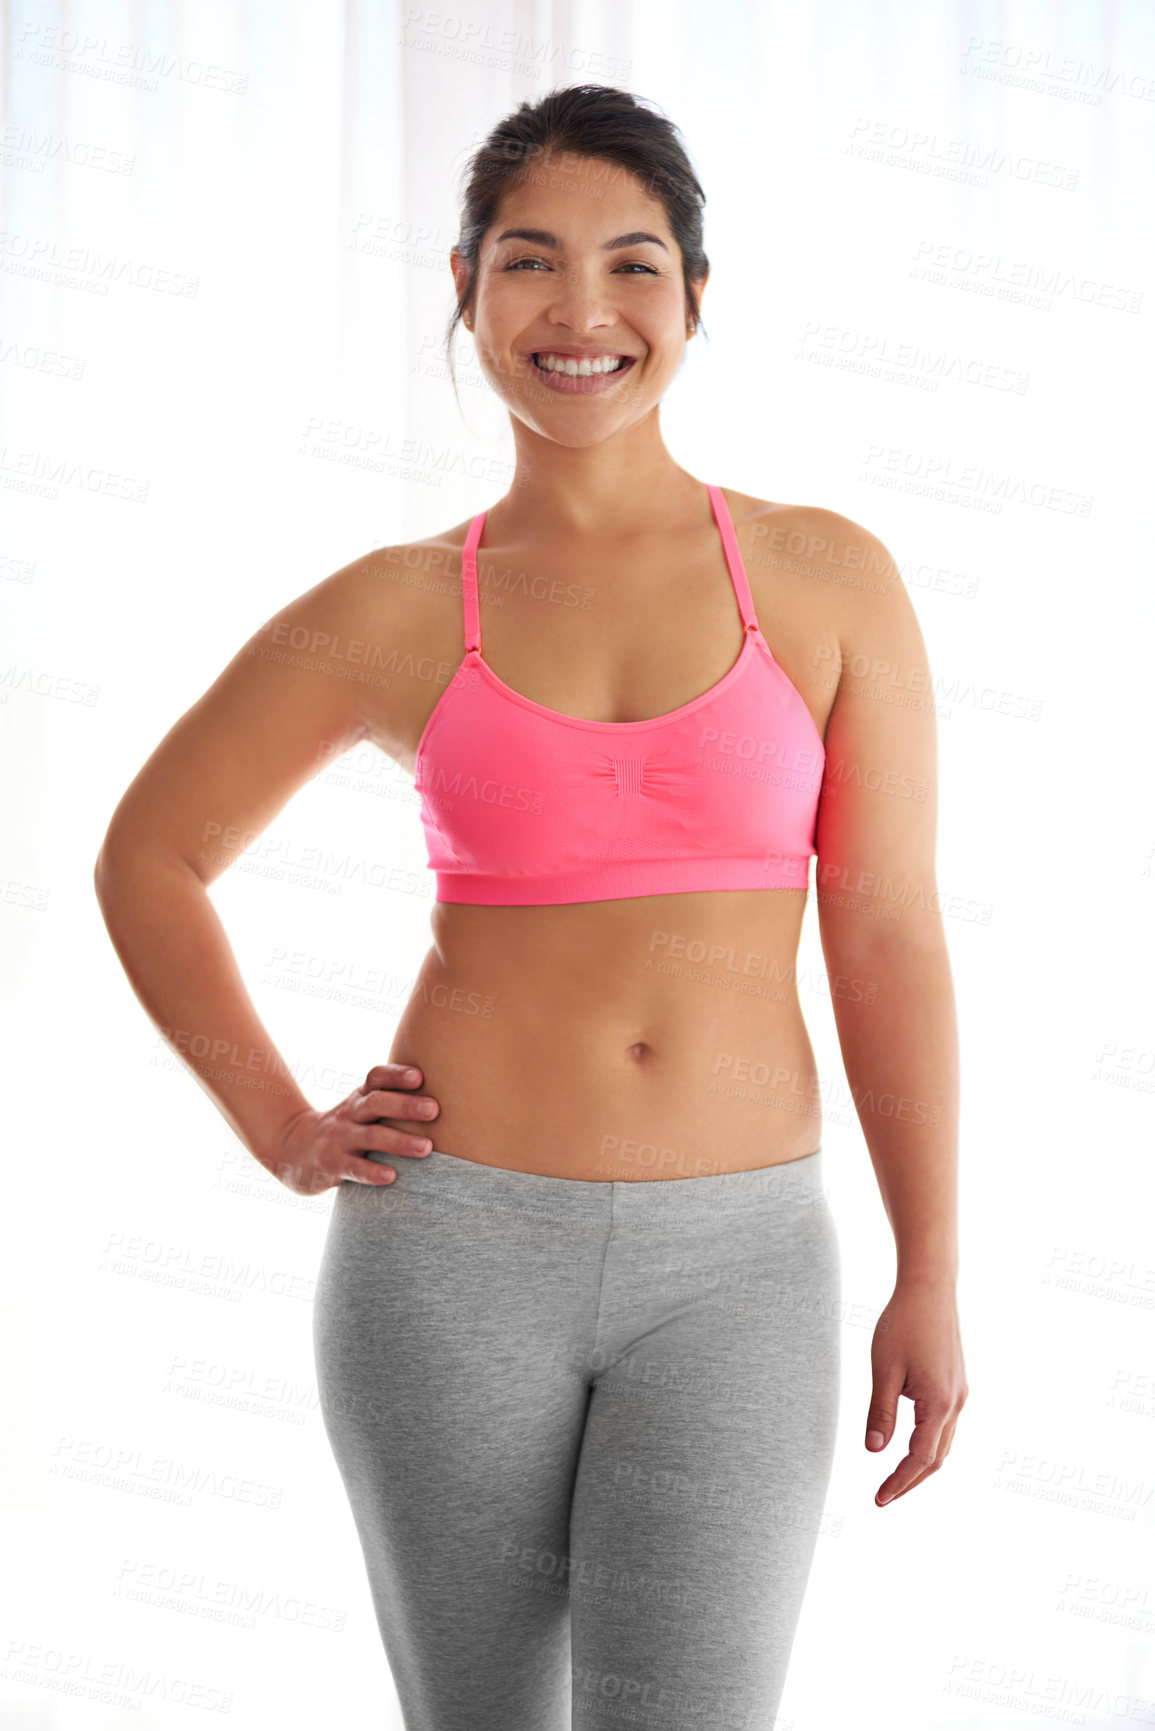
[(586, 1432)]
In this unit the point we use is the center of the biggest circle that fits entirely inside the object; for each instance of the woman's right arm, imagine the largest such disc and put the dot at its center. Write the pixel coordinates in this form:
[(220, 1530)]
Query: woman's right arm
[(216, 780)]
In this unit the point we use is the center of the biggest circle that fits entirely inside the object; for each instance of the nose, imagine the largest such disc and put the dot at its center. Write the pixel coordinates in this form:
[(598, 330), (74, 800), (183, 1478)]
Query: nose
[(583, 300)]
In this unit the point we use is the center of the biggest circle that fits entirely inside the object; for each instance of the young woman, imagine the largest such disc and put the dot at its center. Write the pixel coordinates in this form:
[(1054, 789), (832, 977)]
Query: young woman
[(579, 1361)]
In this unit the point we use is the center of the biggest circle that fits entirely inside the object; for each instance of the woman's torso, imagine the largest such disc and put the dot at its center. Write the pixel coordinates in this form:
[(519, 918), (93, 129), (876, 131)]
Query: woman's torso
[(646, 1037)]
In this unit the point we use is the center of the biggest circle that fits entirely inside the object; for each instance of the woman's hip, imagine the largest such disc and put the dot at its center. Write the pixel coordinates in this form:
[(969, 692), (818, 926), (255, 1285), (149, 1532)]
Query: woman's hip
[(516, 1262)]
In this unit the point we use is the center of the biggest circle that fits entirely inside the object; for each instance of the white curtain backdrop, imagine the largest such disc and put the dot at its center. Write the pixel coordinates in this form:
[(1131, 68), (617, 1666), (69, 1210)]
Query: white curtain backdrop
[(224, 265)]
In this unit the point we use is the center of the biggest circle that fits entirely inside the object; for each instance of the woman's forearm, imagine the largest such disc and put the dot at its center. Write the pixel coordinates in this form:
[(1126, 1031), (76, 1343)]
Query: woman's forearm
[(900, 1053), (173, 947)]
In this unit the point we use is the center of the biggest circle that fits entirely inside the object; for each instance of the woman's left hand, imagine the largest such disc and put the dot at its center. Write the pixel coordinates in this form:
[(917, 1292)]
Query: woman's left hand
[(917, 1352)]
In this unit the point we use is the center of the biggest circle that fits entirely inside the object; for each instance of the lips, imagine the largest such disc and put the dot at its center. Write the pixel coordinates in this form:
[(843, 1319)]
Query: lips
[(597, 355), (592, 384)]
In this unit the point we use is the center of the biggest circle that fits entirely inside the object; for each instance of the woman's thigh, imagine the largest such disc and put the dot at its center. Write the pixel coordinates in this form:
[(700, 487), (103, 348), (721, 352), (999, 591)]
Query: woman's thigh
[(451, 1345), (704, 1466)]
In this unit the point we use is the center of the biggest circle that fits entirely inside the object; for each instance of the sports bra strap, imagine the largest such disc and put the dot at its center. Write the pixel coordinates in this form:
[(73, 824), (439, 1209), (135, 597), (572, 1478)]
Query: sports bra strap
[(469, 583), (733, 558), (472, 617)]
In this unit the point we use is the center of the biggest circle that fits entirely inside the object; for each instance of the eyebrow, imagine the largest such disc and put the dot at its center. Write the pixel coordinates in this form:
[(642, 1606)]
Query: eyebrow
[(542, 237)]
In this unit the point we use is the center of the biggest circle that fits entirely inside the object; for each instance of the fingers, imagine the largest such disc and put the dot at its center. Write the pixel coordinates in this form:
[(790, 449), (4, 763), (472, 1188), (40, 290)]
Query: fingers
[(941, 1453), (367, 1172), (383, 1095), (373, 1138), (883, 1414), (933, 1433), (917, 1462), (381, 1103), (939, 1460), (375, 1142), (393, 1076), (368, 1164), (947, 1436), (880, 1422)]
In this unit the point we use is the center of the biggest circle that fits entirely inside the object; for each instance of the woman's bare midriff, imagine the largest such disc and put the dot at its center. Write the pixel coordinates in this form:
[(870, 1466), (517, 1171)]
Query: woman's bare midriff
[(653, 1037)]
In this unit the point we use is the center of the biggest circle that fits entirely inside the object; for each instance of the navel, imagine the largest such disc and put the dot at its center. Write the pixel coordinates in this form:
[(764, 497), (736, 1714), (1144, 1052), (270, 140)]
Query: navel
[(639, 1050)]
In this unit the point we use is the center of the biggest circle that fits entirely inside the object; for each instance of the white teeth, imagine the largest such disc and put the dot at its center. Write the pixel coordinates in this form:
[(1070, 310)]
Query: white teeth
[(578, 369)]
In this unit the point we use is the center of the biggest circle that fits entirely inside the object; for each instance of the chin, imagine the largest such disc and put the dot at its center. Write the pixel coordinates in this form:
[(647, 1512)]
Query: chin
[(572, 438)]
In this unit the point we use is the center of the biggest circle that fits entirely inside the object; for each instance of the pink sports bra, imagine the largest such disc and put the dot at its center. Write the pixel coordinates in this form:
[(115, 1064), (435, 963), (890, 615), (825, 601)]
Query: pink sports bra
[(523, 805)]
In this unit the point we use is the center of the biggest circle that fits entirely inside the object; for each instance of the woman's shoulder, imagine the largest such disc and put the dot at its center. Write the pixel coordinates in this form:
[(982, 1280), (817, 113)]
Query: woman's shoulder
[(404, 582), (394, 605), (425, 558), (818, 561), (822, 583), (814, 530)]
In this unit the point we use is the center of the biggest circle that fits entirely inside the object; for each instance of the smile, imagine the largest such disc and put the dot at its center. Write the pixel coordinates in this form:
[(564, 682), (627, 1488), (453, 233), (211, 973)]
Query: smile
[(579, 377)]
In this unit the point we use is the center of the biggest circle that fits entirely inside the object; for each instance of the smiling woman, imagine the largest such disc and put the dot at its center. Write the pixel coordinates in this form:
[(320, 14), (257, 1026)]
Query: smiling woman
[(598, 1322), (563, 363), (598, 138)]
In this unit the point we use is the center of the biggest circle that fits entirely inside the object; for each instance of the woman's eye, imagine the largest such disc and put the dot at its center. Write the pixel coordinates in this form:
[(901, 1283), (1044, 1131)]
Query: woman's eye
[(630, 265)]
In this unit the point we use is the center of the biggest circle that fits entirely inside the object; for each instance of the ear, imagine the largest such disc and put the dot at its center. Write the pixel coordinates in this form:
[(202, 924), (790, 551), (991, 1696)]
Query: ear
[(460, 271), (691, 319)]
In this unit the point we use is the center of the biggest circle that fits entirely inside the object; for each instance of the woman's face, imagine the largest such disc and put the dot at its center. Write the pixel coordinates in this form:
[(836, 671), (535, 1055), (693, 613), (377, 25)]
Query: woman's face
[(578, 278)]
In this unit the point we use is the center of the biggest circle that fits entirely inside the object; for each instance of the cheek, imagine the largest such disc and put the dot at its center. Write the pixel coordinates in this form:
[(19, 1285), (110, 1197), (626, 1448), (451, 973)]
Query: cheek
[(508, 301), (662, 310)]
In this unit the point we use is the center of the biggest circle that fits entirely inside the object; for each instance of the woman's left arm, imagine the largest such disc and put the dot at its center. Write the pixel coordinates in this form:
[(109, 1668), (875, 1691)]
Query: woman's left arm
[(881, 927)]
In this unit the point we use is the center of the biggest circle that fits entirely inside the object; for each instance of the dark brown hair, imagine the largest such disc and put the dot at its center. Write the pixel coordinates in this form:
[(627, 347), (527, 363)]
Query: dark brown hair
[(592, 120)]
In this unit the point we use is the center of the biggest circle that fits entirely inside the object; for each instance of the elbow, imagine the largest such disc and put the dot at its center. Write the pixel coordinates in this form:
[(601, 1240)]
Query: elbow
[(126, 863), (115, 851), (110, 849), (102, 870)]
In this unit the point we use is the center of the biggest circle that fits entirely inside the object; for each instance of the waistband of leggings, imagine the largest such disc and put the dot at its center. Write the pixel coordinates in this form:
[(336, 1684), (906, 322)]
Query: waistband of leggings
[(472, 1184)]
